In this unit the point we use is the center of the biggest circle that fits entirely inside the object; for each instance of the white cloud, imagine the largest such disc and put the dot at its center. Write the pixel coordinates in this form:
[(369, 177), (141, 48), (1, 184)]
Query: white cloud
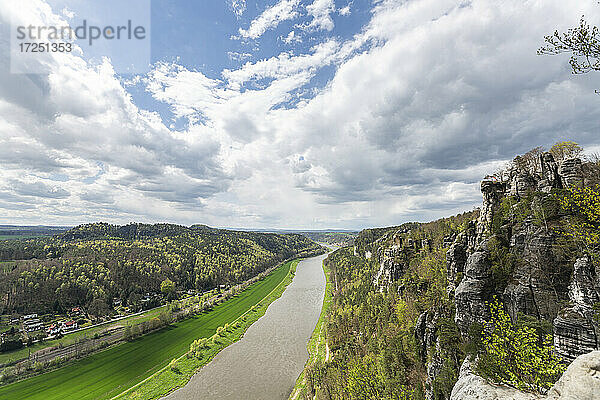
[(283, 10), (345, 11), (284, 65), (320, 11), (425, 100), (238, 7), (67, 13), (292, 38), (237, 56)]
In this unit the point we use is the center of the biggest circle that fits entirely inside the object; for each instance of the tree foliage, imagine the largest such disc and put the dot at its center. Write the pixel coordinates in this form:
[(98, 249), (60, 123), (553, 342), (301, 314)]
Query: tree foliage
[(567, 149), (583, 227), (167, 287), (582, 42), (517, 355)]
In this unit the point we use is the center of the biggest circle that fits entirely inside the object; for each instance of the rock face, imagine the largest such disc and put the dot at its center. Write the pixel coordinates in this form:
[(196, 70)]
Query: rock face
[(427, 338), (474, 291), (493, 192), (539, 283), (574, 330), (389, 267), (470, 387), (581, 381), (573, 334), (456, 258), (549, 179), (542, 280), (571, 172)]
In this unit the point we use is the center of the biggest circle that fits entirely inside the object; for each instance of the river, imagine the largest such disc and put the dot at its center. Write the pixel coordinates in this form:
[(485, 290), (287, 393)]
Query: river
[(265, 363)]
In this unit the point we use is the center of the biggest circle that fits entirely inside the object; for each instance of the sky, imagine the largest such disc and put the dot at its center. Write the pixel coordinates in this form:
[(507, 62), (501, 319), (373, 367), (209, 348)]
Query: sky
[(304, 114)]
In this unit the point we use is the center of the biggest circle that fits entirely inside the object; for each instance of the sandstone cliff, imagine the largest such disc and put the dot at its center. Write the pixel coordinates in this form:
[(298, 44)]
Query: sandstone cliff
[(516, 227)]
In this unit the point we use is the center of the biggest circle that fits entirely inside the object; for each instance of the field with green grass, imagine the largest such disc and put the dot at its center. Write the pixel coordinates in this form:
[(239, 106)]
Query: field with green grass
[(180, 371), (71, 338), (110, 372)]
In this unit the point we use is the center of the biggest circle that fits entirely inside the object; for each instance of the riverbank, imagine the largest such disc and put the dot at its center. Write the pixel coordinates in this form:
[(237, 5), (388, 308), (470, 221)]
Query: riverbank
[(181, 370), (108, 373), (317, 345)]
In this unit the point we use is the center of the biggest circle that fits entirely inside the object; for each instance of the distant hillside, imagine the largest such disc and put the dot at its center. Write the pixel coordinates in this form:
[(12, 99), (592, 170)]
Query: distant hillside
[(95, 263), (338, 237), (19, 232)]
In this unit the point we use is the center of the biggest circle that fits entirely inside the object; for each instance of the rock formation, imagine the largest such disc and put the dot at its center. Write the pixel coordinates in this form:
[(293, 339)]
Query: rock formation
[(574, 330), (475, 290), (581, 381), (544, 283)]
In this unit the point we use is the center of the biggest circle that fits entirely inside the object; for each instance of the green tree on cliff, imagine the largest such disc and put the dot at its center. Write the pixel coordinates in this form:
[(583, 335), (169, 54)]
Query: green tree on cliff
[(516, 355), (583, 207), (582, 42)]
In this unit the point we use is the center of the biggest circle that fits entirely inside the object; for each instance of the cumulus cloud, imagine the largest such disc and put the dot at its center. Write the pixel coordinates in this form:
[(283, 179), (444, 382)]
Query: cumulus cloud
[(425, 100), (283, 10), (291, 38), (320, 11), (79, 117), (345, 11)]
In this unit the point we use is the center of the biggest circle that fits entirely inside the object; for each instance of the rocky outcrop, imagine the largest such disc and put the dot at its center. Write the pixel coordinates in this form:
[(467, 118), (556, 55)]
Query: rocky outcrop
[(470, 387), (475, 290), (581, 381), (430, 349), (584, 290), (574, 330), (571, 172), (425, 334), (539, 282), (456, 258), (549, 178), (574, 334), (493, 192), (458, 251), (390, 268)]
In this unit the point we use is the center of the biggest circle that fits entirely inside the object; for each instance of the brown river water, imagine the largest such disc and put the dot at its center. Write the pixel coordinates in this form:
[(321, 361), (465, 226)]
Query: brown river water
[(265, 363)]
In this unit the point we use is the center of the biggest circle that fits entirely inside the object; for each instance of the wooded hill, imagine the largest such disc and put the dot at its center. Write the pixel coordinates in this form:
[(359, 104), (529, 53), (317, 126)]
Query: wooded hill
[(92, 264)]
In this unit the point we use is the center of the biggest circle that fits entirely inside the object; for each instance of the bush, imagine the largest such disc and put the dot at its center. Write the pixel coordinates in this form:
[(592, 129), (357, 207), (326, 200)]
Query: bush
[(13, 344), (514, 355), (174, 366), (127, 333)]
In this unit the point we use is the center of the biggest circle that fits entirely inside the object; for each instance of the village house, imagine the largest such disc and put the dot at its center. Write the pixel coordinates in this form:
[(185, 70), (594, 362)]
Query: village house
[(53, 330), (69, 326)]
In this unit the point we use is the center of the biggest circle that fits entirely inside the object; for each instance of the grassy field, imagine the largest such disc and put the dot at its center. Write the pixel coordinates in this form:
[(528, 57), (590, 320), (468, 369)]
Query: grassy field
[(317, 345), (75, 336), (169, 379), (110, 372)]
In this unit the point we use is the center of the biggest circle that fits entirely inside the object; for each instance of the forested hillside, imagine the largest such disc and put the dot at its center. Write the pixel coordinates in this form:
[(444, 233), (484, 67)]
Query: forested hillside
[(91, 265), (510, 292)]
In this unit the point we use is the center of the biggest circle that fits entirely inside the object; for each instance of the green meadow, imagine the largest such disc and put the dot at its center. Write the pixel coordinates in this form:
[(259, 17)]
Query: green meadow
[(110, 372)]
